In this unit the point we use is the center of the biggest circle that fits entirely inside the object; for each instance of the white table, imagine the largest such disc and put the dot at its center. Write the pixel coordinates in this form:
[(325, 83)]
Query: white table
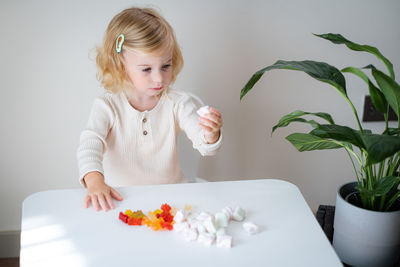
[(58, 231)]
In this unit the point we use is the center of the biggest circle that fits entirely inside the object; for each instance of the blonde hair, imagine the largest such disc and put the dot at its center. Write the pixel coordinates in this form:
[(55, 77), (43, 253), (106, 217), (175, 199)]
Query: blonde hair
[(146, 31)]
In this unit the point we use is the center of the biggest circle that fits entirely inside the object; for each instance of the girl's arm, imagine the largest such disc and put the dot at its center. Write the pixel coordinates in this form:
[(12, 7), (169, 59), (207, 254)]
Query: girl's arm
[(90, 156), (205, 133)]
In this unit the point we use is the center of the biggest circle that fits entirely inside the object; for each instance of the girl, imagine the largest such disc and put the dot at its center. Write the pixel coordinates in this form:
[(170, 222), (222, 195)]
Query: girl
[(131, 136)]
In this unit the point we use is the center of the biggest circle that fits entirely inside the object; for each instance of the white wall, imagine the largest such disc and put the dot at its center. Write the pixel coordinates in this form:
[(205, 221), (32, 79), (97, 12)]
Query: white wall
[(48, 84)]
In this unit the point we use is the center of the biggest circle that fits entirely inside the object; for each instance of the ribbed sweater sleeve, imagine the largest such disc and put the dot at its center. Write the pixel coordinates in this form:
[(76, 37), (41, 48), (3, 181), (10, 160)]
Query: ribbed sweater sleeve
[(92, 139)]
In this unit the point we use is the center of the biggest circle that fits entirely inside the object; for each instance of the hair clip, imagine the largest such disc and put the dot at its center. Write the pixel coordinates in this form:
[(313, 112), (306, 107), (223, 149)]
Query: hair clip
[(119, 42)]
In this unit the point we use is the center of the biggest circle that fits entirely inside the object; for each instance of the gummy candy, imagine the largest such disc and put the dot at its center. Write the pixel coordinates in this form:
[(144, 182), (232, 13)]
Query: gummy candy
[(137, 214), (167, 216), (129, 213), (166, 225), (165, 207), (157, 220), (206, 228), (188, 208), (146, 221), (134, 221), (123, 217)]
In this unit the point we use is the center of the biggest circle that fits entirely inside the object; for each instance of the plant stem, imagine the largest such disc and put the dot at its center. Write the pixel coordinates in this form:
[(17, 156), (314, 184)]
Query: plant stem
[(370, 185), (389, 166), (355, 112), (383, 198), (381, 168), (392, 200), (352, 162), (386, 116), (395, 165)]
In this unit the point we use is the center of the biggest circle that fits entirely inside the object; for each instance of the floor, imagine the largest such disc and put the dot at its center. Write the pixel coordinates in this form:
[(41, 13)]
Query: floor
[(9, 262)]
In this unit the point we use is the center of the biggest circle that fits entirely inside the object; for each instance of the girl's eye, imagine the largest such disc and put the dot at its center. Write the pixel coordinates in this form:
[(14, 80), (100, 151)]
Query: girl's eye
[(146, 69), (166, 66)]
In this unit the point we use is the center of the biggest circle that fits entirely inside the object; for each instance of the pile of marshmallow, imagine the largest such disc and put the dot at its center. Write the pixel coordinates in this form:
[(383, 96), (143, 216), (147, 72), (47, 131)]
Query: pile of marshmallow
[(209, 228)]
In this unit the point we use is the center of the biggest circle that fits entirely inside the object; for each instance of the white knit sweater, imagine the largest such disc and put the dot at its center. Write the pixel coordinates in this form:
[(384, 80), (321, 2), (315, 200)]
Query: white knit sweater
[(139, 148)]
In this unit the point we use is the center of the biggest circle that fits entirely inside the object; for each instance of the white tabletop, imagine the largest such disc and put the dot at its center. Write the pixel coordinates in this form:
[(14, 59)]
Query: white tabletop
[(58, 231)]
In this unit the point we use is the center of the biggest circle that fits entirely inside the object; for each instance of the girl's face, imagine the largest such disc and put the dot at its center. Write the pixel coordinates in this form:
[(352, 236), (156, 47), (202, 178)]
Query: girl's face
[(150, 74)]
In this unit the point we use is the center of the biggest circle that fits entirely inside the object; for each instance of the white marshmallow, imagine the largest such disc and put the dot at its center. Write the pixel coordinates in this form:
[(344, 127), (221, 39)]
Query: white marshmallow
[(203, 216), (224, 241), (201, 228), (190, 234), (193, 223), (179, 227), (250, 227), (206, 238), (221, 219), (179, 216), (221, 231), (203, 111), (239, 214), (210, 225), (228, 211)]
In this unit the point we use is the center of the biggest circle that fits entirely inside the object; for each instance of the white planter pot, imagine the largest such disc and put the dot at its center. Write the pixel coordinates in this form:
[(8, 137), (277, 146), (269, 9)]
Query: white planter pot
[(363, 237)]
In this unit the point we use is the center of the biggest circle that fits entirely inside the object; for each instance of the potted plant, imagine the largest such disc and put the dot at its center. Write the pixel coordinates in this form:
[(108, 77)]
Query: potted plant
[(367, 217)]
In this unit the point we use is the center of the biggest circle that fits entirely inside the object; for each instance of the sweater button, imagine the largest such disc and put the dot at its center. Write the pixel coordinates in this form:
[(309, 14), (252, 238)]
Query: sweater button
[(144, 132), (144, 120)]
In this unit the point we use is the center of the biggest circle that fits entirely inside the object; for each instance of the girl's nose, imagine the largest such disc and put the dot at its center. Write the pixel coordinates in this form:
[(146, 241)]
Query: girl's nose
[(157, 77)]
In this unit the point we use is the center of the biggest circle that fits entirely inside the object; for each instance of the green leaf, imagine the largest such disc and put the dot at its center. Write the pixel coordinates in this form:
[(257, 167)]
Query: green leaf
[(348, 146), (339, 39), (385, 184), (308, 142), (392, 131), (339, 133), (377, 97), (318, 70), (253, 80), (294, 117), (286, 123), (379, 147), (381, 187), (389, 88)]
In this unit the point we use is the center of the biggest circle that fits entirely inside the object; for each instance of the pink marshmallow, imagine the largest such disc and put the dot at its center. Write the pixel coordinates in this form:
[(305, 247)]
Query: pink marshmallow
[(250, 227)]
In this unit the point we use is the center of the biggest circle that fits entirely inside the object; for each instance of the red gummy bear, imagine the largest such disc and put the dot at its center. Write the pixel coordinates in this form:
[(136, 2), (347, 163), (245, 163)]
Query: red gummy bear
[(166, 225), (134, 221), (167, 216), (123, 217), (166, 207)]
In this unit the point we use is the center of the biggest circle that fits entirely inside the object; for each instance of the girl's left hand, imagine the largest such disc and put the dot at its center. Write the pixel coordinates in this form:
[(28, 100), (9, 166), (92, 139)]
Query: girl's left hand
[(211, 123)]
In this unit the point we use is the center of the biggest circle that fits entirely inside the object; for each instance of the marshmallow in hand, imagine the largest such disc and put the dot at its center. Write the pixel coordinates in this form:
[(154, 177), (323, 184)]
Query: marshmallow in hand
[(203, 111)]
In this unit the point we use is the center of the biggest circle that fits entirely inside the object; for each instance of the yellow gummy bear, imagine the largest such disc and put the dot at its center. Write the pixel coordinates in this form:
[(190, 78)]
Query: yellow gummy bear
[(188, 208), (158, 211), (152, 216), (129, 213), (138, 214)]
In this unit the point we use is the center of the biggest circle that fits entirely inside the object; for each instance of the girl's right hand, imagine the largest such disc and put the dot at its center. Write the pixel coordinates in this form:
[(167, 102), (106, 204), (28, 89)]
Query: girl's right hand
[(99, 193)]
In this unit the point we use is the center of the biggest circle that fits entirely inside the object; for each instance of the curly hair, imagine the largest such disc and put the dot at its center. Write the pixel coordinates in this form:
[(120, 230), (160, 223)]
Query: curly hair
[(145, 30)]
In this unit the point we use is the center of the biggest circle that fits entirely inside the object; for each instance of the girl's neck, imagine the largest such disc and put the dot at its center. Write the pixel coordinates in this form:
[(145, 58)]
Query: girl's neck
[(142, 102)]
